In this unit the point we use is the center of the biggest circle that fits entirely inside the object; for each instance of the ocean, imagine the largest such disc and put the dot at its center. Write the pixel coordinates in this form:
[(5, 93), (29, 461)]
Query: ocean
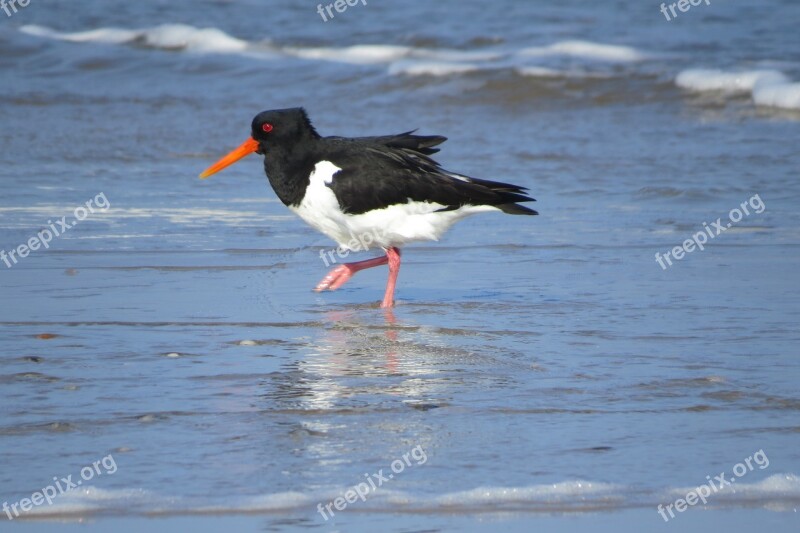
[(165, 364)]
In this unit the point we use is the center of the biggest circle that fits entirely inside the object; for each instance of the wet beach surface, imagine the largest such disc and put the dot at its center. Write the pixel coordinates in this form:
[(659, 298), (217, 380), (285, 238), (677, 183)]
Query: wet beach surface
[(553, 373)]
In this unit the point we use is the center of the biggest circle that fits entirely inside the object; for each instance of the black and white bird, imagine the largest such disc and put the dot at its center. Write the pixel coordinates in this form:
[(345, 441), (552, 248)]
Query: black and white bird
[(386, 187)]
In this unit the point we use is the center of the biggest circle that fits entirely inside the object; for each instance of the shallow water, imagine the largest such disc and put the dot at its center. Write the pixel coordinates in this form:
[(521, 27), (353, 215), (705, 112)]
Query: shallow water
[(544, 365)]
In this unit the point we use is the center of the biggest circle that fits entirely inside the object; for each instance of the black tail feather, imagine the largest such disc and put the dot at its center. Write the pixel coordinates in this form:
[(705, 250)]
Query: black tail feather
[(509, 195), (516, 209)]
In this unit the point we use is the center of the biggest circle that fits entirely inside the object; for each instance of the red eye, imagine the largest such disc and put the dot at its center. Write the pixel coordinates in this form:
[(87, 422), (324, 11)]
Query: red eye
[(267, 127)]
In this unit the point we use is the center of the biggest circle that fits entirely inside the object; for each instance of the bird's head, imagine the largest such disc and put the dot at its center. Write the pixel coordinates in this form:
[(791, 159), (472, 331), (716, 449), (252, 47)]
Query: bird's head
[(276, 128)]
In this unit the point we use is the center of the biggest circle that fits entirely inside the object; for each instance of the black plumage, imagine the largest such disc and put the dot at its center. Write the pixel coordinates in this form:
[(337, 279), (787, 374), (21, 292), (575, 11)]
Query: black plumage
[(377, 172)]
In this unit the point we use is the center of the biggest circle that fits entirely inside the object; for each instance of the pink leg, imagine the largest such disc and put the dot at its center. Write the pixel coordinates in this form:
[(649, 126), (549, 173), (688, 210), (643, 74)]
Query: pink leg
[(339, 275), (393, 257)]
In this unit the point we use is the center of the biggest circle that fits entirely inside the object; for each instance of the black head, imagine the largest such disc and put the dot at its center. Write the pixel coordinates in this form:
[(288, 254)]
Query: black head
[(279, 130), (282, 127)]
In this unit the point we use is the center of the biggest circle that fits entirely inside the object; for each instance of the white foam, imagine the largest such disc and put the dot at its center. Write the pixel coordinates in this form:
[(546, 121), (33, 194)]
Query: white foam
[(587, 50), (539, 72), (775, 487), (91, 499), (779, 492), (768, 87), (776, 484), (359, 54), (577, 491), (167, 36), (544, 72), (782, 95), (730, 82), (431, 68), (402, 60), (191, 38), (100, 35)]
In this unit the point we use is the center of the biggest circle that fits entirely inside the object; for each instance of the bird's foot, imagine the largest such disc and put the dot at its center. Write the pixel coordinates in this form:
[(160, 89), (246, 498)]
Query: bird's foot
[(339, 275), (336, 278)]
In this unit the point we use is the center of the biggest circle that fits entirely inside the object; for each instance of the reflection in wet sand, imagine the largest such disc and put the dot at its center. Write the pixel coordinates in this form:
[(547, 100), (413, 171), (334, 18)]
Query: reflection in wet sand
[(362, 361)]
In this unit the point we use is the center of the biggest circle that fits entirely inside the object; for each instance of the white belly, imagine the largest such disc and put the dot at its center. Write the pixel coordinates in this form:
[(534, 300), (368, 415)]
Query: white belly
[(395, 225)]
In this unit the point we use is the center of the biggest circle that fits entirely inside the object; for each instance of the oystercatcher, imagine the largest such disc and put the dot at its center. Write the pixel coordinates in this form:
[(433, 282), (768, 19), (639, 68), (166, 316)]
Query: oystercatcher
[(387, 187)]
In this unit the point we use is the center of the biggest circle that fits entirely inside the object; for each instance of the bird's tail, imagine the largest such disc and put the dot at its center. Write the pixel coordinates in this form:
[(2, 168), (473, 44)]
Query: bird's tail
[(516, 209), (509, 196)]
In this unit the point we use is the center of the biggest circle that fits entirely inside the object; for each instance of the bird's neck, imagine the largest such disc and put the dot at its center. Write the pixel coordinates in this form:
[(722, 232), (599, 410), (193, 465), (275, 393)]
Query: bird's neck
[(288, 170)]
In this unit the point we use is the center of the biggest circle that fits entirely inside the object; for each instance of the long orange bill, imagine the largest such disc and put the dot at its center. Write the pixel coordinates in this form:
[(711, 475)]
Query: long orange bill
[(245, 149)]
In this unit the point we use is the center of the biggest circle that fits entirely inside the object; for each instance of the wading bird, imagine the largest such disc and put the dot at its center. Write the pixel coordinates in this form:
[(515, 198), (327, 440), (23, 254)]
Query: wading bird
[(387, 187)]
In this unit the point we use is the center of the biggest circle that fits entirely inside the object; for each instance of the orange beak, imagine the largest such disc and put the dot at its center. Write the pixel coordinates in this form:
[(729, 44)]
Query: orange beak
[(245, 149)]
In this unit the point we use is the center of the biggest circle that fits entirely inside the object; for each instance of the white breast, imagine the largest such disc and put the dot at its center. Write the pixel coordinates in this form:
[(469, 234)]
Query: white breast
[(395, 225), (319, 207)]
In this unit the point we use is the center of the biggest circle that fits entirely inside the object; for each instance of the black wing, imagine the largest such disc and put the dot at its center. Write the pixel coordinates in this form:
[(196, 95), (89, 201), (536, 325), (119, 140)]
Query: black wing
[(381, 171), (422, 144)]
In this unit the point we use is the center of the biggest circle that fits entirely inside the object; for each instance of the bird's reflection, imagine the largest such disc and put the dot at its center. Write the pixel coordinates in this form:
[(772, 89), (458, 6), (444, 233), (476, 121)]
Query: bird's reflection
[(361, 359), (363, 373)]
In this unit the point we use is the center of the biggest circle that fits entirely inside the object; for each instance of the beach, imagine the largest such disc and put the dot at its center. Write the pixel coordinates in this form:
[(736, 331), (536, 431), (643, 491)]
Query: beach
[(162, 344)]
